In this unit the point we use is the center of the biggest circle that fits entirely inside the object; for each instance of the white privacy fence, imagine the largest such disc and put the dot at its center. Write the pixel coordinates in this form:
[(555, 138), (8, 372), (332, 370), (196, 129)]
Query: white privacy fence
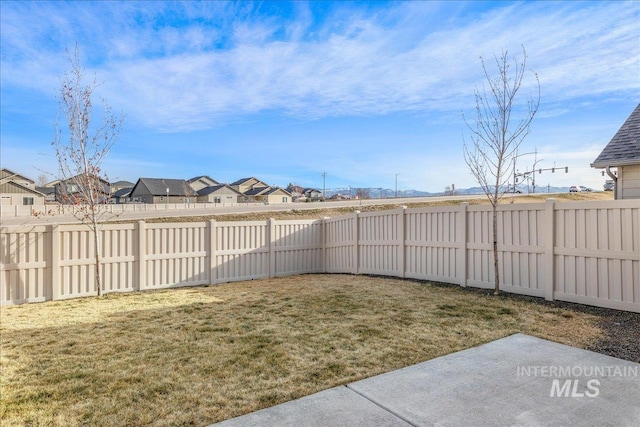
[(585, 252)]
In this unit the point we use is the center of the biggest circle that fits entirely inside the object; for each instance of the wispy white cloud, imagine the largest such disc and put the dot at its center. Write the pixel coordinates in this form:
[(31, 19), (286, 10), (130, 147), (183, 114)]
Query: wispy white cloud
[(183, 74)]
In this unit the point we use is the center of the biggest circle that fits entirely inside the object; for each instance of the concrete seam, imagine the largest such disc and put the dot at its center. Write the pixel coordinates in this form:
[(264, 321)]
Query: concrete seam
[(380, 405)]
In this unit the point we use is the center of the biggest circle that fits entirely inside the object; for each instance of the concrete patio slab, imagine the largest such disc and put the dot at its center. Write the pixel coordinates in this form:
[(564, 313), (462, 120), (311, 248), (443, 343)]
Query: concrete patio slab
[(519, 380), (337, 406)]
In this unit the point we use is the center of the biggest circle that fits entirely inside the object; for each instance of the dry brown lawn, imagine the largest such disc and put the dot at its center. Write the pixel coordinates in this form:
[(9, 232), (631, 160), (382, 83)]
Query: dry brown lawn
[(193, 356), (325, 209)]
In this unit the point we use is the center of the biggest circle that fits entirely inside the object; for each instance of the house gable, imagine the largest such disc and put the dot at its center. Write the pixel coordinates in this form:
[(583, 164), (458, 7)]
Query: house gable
[(624, 147), (11, 187), (246, 184), (200, 182), (7, 175)]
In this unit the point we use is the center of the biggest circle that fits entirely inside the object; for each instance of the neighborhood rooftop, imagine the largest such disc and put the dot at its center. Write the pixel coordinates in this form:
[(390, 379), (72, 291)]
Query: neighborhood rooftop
[(624, 147)]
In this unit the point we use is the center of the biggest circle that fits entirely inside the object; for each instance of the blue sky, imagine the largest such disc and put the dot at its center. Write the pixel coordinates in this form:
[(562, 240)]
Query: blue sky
[(285, 91)]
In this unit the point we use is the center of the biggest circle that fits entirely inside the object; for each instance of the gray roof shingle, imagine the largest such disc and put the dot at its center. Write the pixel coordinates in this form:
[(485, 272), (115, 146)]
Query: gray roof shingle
[(158, 187), (624, 147)]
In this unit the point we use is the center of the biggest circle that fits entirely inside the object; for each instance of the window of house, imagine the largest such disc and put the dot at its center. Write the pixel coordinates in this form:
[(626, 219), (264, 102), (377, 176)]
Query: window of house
[(27, 200), (285, 199), (216, 199)]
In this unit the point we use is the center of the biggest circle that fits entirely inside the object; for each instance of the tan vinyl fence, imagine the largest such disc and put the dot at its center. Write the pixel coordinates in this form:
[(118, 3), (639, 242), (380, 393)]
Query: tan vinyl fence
[(54, 209), (584, 252)]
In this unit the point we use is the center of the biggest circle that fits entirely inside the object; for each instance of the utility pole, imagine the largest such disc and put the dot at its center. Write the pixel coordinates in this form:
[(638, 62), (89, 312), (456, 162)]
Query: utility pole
[(324, 185), (397, 185)]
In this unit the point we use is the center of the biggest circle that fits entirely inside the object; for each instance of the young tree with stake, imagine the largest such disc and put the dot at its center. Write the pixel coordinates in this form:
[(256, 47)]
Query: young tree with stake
[(502, 121), (81, 149)]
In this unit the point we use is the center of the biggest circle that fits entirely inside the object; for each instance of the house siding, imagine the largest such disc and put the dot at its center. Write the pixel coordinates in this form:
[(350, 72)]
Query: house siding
[(629, 182)]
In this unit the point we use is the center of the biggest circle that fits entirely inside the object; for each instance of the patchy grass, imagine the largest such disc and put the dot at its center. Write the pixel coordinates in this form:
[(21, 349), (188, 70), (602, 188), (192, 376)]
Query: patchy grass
[(194, 356)]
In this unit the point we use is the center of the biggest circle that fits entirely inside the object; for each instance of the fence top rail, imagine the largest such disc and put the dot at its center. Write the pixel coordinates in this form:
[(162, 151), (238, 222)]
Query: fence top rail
[(434, 209), (299, 222), (397, 211), (164, 225), (599, 204), (7, 229)]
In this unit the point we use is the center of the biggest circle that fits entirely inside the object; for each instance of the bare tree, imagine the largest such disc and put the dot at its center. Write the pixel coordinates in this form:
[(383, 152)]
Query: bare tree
[(81, 149), (42, 180), (502, 121), (363, 193)]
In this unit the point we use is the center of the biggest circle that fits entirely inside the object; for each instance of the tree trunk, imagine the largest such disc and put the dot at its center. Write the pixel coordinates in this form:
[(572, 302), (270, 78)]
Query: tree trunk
[(96, 240), (496, 290)]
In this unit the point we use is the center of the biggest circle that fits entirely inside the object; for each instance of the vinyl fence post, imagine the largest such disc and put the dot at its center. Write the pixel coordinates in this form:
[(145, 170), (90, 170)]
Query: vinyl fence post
[(356, 243), (401, 240), (324, 244), (141, 256), (55, 261), (549, 244), (271, 226), (213, 257), (461, 234)]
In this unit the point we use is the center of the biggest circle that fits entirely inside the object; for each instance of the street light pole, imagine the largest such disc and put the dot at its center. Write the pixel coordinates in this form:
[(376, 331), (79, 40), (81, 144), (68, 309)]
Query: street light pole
[(397, 185), (167, 202)]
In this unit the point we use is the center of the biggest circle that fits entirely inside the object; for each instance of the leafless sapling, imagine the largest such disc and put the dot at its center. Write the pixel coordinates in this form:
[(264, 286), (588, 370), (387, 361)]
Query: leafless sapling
[(502, 121)]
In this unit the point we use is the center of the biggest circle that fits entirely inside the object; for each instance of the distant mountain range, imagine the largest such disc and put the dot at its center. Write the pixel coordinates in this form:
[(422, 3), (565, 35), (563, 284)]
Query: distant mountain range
[(381, 193)]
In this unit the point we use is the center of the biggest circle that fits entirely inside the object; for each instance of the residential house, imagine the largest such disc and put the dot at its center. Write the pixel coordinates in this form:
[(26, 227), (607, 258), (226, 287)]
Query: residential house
[(200, 182), (255, 191), (75, 189), (267, 195), (312, 194), (49, 194), (121, 196), (245, 184), (220, 193), (163, 190), (17, 189), (119, 185), (623, 153), (297, 193)]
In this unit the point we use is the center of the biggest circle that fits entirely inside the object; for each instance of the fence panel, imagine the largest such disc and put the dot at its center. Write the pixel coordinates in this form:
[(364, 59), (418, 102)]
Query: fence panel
[(597, 253), (242, 251), (432, 244), (341, 244), (480, 270), (176, 255), (24, 265), (380, 243), (297, 247), (521, 248), (118, 247)]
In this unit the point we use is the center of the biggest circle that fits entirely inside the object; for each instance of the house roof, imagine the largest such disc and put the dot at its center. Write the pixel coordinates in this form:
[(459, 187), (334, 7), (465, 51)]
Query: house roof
[(256, 191), (624, 147), (9, 175), (242, 181), (123, 192), (212, 189), (122, 184), (258, 183), (197, 178), (272, 190), (158, 187), (46, 190)]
